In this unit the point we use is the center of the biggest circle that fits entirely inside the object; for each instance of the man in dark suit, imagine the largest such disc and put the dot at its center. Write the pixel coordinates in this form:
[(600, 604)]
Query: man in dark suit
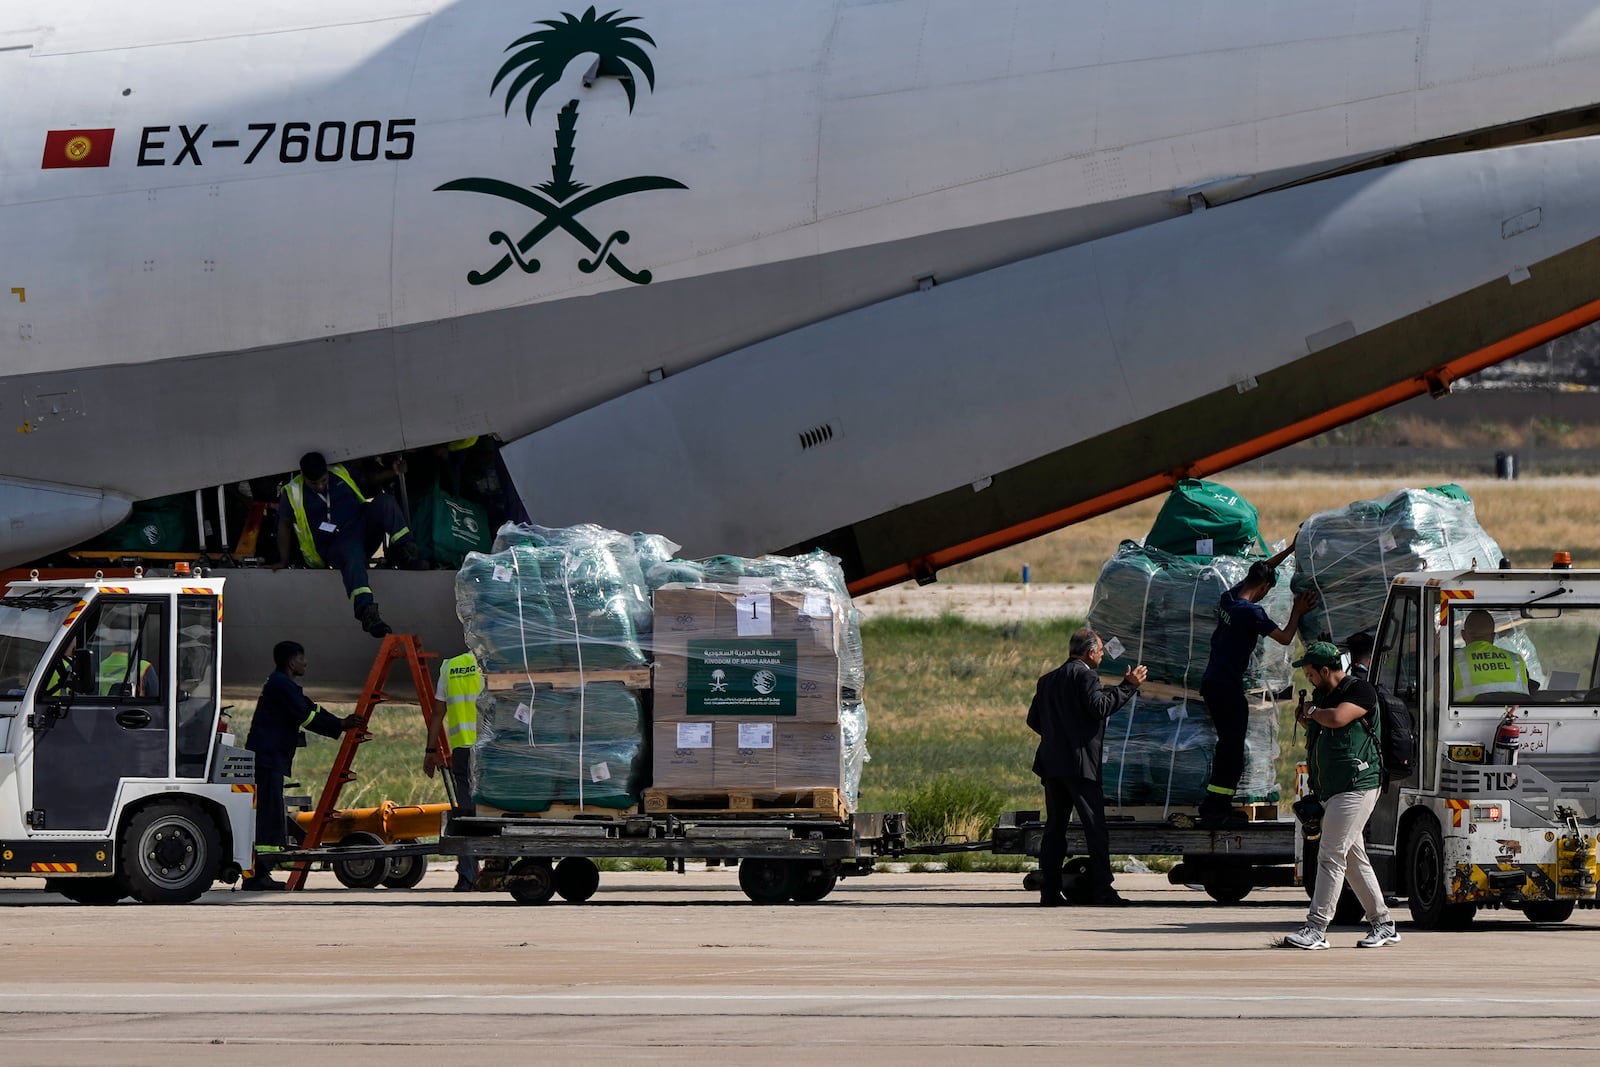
[(1069, 713)]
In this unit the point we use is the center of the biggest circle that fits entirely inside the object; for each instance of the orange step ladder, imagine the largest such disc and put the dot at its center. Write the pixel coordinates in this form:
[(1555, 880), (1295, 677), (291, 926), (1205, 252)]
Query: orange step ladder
[(395, 648)]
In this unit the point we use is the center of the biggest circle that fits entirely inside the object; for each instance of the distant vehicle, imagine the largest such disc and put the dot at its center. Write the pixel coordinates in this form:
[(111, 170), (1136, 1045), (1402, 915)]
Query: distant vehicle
[(909, 281), (115, 780)]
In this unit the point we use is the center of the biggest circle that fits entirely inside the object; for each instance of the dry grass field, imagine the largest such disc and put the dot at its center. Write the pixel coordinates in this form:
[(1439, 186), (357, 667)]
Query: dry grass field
[(1530, 518)]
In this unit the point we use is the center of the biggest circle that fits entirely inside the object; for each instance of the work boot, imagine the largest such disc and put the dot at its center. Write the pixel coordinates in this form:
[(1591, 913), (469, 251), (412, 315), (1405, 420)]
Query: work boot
[(373, 623), (262, 882), (1108, 898)]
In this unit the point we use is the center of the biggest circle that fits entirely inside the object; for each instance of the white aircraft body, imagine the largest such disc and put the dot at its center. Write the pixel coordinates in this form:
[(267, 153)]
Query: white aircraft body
[(907, 279)]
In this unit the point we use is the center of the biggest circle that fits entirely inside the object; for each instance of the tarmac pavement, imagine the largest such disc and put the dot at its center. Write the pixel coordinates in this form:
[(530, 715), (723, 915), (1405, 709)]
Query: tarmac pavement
[(666, 968)]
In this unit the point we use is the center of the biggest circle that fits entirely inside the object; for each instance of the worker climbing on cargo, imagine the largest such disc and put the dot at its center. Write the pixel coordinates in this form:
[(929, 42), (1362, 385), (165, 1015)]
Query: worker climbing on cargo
[(1241, 623), (282, 712), (1483, 667), (460, 682), (324, 510), (1069, 713)]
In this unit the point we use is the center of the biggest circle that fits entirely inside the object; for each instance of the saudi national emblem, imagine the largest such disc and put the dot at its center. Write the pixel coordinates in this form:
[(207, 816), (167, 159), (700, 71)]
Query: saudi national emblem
[(538, 62)]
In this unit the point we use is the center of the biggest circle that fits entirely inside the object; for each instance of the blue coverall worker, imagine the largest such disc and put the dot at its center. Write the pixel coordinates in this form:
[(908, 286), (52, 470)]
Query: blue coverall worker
[(282, 712), (325, 512), (1241, 623)]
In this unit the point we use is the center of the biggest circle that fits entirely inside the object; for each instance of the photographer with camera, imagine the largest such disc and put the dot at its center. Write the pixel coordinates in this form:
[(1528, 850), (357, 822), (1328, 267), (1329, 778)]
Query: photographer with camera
[(1346, 770)]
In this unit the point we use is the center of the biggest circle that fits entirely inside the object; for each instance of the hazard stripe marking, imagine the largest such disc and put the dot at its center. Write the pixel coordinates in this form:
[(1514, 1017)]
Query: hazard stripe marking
[(55, 868)]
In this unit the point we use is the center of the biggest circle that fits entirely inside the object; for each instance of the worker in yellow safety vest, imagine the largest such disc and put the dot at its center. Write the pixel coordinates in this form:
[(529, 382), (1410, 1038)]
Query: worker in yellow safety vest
[(456, 702), (324, 511), (114, 672), (1482, 666)]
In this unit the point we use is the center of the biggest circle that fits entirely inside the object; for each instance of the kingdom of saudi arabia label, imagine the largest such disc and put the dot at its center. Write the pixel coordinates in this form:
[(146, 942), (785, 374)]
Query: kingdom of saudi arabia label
[(741, 677)]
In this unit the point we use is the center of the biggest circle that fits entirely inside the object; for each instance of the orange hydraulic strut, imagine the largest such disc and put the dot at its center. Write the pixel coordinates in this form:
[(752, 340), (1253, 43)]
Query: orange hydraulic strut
[(1435, 381)]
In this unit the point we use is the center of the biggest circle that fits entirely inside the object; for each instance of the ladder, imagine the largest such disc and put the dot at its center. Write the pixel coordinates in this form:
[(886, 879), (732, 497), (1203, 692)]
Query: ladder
[(395, 648)]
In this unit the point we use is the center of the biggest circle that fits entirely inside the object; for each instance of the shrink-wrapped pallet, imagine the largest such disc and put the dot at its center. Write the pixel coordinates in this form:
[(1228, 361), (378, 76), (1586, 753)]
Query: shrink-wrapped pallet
[(1350, 555), (1159, 752), (540, 747), (1161, 609), (557, 607), (749, 694)]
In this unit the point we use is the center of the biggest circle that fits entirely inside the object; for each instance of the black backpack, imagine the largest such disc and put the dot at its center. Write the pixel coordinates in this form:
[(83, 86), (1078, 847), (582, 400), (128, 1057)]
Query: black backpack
[(1397, 740)]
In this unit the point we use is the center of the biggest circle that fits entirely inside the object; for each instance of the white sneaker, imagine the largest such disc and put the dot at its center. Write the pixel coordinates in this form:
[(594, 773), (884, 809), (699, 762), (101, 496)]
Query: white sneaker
[(1381, 934), (1307, 937)]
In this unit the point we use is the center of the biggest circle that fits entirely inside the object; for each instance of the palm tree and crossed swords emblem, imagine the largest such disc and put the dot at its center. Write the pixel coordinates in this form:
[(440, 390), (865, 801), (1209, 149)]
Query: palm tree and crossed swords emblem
[(539, 61)]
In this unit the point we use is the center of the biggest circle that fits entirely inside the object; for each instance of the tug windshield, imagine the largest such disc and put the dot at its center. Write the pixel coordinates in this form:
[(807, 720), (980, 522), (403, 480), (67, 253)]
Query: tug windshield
[(1539, 654), (28, 623)]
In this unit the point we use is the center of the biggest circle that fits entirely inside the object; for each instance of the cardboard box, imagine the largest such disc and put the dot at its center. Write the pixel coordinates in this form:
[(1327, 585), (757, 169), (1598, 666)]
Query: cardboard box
[(817, 688), (812, 619), (745, 755), (682, 755), (810, 756), (683, 612)]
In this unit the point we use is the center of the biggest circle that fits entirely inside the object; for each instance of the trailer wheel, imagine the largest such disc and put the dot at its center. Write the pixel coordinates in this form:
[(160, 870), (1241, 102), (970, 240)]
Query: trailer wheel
[(531, 881), (87, 890), (813, 881), (1347, 911), (1548, 911), (1227, 890), (576, 879), (405, 871), (766, 881), (1425, 878), (170, 853), (361, 873)]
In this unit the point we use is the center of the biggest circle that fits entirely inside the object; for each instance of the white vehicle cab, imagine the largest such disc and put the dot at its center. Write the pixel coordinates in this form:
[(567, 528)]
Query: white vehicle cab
[(115, 778), (1504, 806)]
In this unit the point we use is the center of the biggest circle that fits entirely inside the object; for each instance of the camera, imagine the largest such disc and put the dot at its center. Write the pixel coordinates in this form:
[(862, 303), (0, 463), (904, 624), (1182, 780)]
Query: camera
[(1308, 809)]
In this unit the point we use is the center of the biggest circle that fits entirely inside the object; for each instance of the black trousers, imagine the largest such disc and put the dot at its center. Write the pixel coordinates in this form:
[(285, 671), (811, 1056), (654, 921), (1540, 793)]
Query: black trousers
[(1230, 714), (271, 816), (461, 772), (348, 550), (1063, 796)]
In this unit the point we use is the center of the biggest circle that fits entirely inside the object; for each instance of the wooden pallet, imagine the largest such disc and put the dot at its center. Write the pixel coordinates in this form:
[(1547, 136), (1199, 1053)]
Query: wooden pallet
[(632, 677), (828, 803), (556, 811), (1255, 811)]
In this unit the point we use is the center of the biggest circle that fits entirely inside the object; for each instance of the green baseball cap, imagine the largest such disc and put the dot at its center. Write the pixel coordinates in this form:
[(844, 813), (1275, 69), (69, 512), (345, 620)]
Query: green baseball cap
[(1321, 654)]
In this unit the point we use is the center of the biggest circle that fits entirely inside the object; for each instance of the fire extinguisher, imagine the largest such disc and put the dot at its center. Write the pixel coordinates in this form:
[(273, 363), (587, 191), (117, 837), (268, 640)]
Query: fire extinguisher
[(1507, 739)]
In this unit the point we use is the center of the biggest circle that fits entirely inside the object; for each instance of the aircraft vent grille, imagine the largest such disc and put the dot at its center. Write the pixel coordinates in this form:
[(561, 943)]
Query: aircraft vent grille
[(817, 435)]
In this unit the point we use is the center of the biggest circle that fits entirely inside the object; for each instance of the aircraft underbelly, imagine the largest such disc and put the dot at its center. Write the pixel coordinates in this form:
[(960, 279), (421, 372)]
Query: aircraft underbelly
[(871, 432)]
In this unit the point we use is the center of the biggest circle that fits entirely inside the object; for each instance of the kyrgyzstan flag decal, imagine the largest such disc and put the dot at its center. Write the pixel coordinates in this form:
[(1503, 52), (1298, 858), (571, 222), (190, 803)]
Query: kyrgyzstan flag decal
[(77, 148)]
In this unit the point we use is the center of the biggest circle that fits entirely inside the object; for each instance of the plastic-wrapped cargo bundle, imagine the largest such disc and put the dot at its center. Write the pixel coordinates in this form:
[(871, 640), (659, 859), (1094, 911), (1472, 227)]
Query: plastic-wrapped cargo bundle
[(748, 693), (574, 606), (1159, 752), (1202, 519), (1350, 555), (1161, 609), (581, 746)]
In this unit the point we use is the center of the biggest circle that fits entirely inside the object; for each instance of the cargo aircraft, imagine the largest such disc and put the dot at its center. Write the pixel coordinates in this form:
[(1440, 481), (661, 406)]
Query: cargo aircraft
[(906, 279)]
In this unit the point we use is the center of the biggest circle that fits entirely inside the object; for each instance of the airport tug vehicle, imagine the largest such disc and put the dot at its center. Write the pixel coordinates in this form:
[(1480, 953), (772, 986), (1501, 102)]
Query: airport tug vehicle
[(1503, 807), (117, 778)]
